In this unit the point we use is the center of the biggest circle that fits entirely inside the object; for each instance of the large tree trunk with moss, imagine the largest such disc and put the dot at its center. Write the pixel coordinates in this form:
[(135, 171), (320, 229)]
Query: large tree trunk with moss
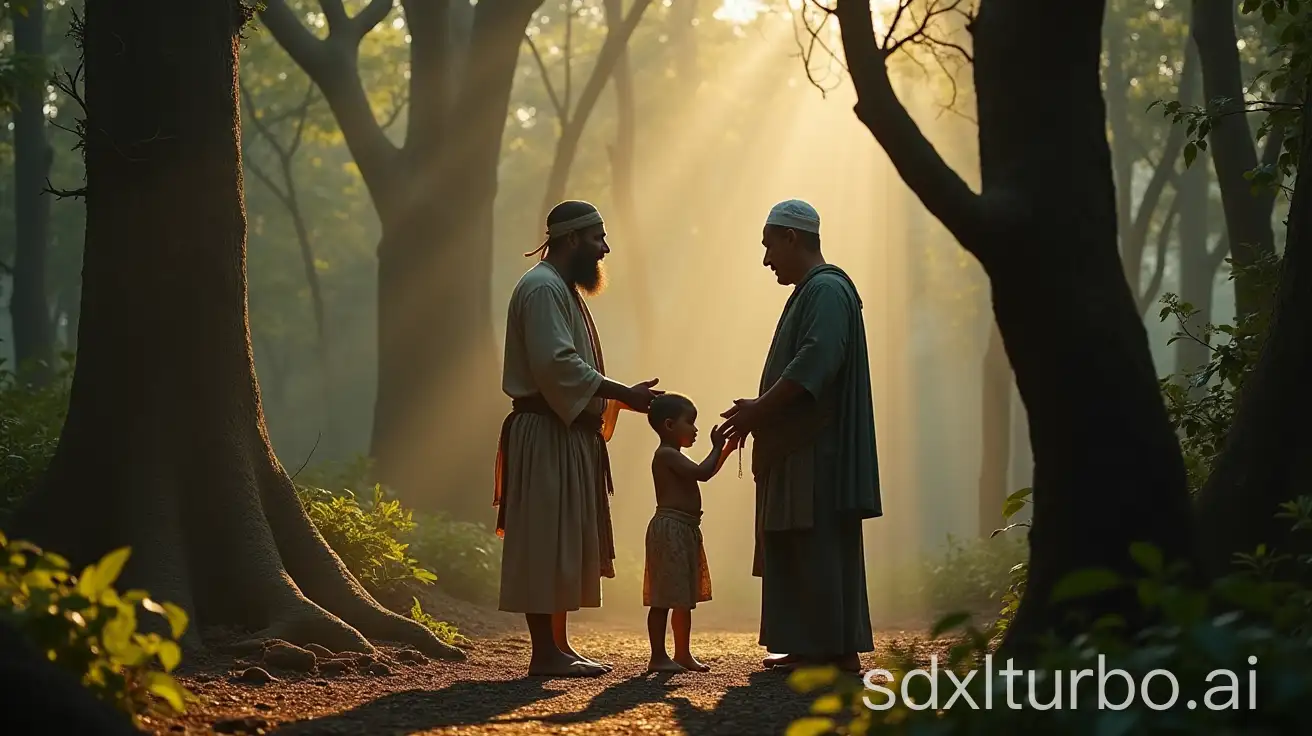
[(165, 448), (1102, 439), (29, 307), (1265, 460)]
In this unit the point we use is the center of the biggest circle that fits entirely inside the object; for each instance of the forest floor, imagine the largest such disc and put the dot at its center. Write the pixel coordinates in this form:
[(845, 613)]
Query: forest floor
[(490, 693)]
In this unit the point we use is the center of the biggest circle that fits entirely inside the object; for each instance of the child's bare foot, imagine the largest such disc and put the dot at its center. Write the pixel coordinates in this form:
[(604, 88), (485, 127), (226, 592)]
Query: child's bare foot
[(663, 663), (689, 662)]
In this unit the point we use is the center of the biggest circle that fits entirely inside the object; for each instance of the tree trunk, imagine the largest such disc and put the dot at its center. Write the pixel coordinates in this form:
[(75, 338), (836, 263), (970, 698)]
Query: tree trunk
[(1197, 265), (995, 434), (1247, 215), (438, 403), (1265, 459), (622, 155), (1108, 446), (165, 447), (28, 306)]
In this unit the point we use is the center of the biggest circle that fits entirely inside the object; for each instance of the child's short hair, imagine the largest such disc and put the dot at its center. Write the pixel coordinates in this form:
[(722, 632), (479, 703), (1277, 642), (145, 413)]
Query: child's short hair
[(668, 406)]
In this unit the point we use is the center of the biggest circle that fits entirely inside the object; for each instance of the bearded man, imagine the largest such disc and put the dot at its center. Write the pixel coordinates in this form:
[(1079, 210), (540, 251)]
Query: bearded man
[(553, 473)]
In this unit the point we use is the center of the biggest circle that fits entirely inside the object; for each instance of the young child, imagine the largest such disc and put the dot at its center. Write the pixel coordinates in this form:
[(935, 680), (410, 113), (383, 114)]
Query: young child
[(676, 576)]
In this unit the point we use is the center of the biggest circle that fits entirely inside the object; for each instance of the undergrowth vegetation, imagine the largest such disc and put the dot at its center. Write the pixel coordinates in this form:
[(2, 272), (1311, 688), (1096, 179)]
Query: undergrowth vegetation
[(85, 626)]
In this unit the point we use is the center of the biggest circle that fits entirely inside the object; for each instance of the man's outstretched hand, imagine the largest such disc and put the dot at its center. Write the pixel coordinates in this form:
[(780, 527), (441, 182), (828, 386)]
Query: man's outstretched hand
[(740, 419), (641, 394)]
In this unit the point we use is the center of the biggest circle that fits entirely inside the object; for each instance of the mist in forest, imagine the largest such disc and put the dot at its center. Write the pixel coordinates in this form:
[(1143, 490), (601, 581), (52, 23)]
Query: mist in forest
[(756, 126)]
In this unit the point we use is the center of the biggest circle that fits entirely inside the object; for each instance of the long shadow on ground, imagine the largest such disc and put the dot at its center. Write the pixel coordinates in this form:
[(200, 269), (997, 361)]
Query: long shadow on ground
[(466, 703), (765, 705)]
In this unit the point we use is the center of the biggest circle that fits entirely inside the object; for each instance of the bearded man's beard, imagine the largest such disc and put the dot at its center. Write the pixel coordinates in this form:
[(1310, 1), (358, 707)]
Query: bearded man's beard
[(586, 273)]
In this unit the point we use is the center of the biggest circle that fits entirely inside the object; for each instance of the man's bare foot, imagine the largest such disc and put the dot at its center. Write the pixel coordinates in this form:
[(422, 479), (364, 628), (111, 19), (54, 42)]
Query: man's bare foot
[(689, 662), (560, 664), (569, 652), (774, 660), (663, 663)]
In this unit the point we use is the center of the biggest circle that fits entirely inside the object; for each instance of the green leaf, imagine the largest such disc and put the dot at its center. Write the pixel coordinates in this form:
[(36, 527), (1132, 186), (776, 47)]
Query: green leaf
[(170, 655), (177, 618), (810, 726), (827, 704), (164, 686), (808, 679), (1190, 152), (948, 623), (1148, 556), (1015, 502), (1083, 583)]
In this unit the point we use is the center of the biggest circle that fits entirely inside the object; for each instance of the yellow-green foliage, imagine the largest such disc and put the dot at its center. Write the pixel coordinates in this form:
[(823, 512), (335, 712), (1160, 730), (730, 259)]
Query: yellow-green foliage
[(82, 624), (444, 631), (366, 538)]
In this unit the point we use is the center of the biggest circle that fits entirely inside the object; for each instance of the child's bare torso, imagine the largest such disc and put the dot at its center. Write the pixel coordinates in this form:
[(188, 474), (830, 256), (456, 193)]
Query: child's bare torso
[(674, 491)]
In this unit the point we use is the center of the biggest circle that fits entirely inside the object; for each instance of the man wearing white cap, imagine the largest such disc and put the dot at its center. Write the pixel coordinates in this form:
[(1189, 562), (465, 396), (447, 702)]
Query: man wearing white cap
[(813, 456), (553, 477)]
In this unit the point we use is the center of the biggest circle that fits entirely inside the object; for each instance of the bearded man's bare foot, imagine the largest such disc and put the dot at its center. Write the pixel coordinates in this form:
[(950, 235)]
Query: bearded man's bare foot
[(775, 660), (562, 665), (663, 663), (689, 662), (569, 651)]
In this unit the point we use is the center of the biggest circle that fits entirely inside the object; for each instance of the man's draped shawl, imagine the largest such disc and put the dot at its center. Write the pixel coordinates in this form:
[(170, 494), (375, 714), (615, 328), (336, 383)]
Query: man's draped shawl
[(820, 343), (561, 360)]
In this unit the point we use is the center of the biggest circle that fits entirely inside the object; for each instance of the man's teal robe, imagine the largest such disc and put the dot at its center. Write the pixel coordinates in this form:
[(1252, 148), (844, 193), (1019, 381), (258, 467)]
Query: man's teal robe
[(817, 475)]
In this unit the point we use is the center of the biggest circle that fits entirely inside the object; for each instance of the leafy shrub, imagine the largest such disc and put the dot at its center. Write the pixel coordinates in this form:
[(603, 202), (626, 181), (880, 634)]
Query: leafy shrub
[(466, 556), (1200, 400), (367, 538), (86, 627), (30, 421), (444, 631), (971, 574)]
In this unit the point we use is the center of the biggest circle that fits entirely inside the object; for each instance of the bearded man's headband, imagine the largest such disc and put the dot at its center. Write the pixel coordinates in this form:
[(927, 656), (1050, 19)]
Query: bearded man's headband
[(568, 226)]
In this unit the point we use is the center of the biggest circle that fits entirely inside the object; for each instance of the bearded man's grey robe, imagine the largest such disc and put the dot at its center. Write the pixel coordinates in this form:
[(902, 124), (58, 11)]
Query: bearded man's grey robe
[(817, 475)]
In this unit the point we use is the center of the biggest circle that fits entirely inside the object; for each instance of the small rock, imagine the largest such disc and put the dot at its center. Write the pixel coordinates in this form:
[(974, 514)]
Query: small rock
[(320, 683), (203, 678), (177, 727), (280, 696), (380, 669), (241, 725), (263, 706), (363, 660), (334, 666), (411, 656), (289, 657), (321, 652), (254, 676)]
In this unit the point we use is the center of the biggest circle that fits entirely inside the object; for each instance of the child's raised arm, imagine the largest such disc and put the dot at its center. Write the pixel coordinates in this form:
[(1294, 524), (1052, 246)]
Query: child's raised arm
[(700, 472)]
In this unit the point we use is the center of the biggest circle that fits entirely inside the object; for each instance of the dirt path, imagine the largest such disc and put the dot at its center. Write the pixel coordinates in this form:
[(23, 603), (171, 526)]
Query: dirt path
[(489, 694)]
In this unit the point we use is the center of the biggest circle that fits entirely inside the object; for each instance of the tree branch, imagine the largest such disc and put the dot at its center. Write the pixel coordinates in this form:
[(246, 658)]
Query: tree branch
[(1159, 264), (561, 113), (617, 40), (943, 192), (331, 64)]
